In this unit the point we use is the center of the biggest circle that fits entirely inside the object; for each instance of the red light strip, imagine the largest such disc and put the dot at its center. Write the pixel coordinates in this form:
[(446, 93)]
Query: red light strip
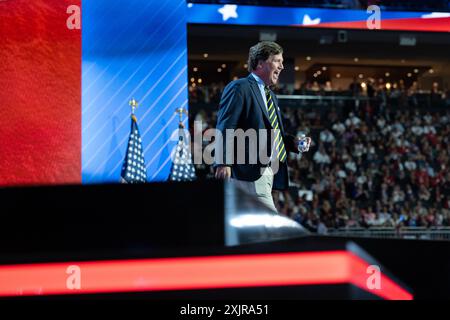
[(162, 274), (407, 24)]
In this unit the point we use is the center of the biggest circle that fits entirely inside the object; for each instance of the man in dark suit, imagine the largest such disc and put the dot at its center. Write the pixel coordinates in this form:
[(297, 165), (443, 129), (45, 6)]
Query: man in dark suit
[(249, 104)]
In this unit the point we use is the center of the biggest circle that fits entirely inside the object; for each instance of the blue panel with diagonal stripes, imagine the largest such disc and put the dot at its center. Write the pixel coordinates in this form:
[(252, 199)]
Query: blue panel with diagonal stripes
[(133, 48)]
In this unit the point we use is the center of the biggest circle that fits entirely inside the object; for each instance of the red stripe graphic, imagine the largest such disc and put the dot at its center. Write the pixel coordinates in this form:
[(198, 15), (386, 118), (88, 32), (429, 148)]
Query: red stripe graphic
[(194, 273), (409, 24)]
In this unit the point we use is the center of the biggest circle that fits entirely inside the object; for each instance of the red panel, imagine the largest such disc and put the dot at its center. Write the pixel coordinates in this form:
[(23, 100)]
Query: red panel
[(333, 267), (40, 93)]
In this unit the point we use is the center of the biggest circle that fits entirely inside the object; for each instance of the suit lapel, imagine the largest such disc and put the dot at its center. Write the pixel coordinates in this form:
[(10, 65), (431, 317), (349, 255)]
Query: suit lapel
[(257, 94)]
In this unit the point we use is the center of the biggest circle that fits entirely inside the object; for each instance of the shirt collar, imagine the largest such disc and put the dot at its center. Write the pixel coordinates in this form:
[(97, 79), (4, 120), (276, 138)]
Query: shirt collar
[(258, 80)]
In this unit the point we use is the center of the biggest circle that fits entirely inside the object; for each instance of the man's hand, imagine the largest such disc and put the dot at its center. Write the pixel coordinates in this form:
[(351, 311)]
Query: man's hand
[(223, 172)]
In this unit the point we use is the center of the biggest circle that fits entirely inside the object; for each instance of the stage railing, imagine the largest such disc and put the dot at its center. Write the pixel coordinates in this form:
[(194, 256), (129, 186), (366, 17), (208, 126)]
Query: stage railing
[(432, 233), (340, 99), (418, 100)]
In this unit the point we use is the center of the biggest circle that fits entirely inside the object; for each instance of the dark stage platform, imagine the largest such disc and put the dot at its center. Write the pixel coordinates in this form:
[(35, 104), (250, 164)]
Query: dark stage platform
[(189, 241)]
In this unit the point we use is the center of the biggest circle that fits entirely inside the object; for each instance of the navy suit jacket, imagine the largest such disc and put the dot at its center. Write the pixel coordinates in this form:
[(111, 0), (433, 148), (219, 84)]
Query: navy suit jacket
[(242, 107)]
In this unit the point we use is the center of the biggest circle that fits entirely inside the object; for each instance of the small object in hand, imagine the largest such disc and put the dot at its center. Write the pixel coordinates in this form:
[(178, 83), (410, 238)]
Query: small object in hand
[(304, 143)]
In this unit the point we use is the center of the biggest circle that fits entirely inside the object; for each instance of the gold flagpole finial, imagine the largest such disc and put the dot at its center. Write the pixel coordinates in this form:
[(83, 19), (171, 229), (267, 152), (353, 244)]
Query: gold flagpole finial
[(180, 112), (134, 104)]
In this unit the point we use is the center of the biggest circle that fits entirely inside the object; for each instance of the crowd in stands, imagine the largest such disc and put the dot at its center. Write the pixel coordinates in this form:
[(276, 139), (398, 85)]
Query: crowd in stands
[(371, 168), (206, 94), (370, 165)]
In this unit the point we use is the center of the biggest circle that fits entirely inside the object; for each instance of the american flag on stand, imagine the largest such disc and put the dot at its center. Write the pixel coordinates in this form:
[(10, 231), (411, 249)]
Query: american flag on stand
[(133, 169), (182, 166)]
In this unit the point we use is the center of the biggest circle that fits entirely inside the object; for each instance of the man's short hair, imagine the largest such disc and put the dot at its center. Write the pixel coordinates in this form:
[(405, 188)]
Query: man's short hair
[(262, 51)]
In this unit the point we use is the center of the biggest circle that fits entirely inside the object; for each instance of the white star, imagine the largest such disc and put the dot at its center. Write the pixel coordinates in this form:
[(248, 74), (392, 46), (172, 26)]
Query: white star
[(307, 21), (228, 11)]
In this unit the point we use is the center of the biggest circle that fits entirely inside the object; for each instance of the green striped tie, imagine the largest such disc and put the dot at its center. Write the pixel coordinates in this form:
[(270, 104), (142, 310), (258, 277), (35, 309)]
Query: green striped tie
[(273, 118)]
